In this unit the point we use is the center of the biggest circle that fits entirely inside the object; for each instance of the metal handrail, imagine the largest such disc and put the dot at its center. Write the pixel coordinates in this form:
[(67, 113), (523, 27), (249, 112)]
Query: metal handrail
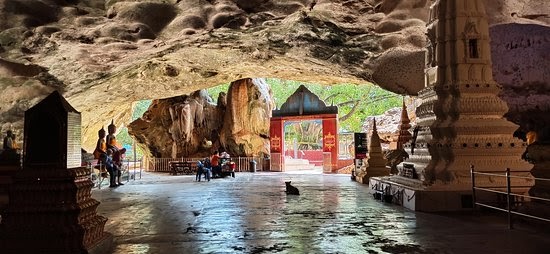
[(508, 193), (99, 180), (242, 163)]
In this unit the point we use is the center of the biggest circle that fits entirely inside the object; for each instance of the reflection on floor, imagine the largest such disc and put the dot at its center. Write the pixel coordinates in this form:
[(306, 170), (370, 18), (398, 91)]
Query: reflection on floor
[(252, 214)]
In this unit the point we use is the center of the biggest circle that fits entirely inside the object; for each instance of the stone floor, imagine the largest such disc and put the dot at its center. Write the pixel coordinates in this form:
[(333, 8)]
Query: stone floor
[(252, 214)]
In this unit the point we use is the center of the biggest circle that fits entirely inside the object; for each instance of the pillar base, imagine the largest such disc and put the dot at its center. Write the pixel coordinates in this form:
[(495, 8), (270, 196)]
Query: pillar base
[(412, 194), (105, 245)]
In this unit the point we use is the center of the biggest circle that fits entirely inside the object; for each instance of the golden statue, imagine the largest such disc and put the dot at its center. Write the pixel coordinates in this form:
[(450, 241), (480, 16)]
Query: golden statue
[(111, 138), (101, 146)]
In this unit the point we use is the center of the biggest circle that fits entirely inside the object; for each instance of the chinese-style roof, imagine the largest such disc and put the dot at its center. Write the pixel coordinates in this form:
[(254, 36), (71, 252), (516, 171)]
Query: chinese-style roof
[(304, 102)]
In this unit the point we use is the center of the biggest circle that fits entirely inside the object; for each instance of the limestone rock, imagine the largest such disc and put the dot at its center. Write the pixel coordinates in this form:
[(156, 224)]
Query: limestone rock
[(520, 60), (194, 126), (246, 123), (387, 125), (104, 55)]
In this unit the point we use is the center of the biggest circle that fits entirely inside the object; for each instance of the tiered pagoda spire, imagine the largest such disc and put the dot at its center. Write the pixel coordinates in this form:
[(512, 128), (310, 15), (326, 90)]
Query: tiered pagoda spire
[(404, 135), (460, 118)]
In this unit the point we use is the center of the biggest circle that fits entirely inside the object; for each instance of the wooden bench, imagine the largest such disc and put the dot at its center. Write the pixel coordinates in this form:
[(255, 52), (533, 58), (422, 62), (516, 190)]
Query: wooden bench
[(184, 167)]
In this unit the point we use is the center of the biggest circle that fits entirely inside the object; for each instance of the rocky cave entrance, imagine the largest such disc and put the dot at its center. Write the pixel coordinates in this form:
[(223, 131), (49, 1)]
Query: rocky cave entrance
[(235, 118)]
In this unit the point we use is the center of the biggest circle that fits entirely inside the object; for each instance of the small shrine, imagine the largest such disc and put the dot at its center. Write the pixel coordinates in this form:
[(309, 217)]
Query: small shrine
[(397, 153), (50, 207), (404, 135), (376, 163)]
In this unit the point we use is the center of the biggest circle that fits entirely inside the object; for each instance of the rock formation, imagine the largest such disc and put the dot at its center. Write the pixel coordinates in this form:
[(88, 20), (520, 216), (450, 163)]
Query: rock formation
[(104, 55), (194, 126), (245, 125), (518, 52), (387, 125)]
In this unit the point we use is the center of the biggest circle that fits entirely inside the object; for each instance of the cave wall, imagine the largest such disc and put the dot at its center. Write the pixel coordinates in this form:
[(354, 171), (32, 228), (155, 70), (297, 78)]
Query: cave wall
[(521, 62), (103, 55)]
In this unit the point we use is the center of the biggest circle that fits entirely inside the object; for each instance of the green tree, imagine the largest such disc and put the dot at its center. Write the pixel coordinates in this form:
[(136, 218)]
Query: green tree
[(214, 92), (139, 108), (124, 138), (355, 102)]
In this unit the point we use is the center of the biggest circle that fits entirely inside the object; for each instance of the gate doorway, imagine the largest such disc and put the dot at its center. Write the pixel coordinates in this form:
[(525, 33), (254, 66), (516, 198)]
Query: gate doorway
[(303, 108)]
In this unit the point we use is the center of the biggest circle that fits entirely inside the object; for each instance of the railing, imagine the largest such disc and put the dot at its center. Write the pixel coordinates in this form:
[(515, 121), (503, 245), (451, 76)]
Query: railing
[(130, 170), (133, 166), (510, 196), (242, 164)]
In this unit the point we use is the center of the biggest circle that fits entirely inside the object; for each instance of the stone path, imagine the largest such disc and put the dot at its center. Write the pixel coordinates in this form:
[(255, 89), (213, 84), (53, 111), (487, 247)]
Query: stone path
[(252, 214)]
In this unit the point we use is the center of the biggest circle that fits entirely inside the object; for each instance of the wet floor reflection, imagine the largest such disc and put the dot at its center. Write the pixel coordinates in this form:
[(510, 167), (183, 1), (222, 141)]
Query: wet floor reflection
[(252, 214)]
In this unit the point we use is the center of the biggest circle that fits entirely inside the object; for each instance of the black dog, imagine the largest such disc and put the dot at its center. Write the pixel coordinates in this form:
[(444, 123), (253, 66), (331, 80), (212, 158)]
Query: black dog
[(291, 190)]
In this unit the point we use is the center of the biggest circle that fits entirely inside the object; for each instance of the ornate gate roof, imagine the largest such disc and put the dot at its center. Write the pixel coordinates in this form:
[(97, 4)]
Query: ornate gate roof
[(304, 102)]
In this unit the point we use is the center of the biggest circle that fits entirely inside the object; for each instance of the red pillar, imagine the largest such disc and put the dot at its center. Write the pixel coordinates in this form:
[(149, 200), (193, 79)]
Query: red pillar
[(330, 140), (276, 143)]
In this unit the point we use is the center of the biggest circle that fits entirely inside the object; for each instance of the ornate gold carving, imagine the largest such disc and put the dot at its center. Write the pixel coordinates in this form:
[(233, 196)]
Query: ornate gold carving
[(276, 142), (330, 141)]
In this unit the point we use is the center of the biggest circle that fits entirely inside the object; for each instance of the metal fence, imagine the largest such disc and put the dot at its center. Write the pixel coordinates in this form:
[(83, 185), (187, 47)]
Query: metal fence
[(512, 198), (131, 169), (242, 164)]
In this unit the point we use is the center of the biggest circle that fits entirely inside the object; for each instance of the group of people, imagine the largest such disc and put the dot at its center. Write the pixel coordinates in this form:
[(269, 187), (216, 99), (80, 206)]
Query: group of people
[(109, 155), (204, 167), (211, 167)]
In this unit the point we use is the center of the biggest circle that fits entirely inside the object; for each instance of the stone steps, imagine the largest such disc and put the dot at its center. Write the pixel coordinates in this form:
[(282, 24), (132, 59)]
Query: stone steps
[(297, 164)]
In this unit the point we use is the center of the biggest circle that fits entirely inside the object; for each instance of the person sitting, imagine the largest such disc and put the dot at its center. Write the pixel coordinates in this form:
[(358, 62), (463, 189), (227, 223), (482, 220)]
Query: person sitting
[(200, 170), (207, 169)]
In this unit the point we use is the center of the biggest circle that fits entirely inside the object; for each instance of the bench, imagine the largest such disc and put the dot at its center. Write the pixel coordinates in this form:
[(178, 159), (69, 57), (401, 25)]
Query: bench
[(184, 167)]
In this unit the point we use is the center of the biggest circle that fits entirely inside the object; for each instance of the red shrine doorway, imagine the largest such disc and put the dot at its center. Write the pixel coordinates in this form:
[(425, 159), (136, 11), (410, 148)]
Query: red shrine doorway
[(304, 105)]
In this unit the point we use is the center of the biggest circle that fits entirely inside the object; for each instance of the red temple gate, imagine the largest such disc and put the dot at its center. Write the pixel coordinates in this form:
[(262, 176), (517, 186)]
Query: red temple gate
[(304, 105)]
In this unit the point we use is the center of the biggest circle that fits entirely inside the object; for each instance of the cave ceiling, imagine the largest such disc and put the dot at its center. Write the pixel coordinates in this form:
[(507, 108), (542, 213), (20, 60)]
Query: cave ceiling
[(105, 54)]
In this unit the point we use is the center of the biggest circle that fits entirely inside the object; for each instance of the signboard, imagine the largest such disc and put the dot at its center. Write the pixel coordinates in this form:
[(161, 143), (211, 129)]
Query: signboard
[(74, 152), (361, 145)]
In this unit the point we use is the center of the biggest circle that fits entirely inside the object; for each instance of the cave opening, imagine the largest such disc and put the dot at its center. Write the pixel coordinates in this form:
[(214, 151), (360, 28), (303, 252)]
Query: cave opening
[(241, 108)]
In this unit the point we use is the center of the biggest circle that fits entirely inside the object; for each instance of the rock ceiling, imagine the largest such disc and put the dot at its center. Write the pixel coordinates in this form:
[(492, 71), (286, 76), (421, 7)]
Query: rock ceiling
[(105, 54)]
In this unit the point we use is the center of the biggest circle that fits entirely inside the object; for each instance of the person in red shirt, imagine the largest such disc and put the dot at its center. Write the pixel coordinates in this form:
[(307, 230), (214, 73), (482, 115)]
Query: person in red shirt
[(215, 161)]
